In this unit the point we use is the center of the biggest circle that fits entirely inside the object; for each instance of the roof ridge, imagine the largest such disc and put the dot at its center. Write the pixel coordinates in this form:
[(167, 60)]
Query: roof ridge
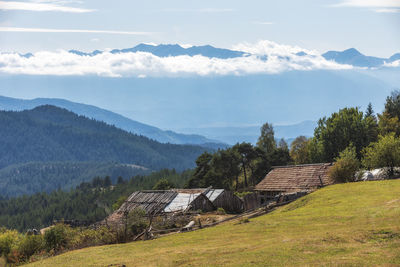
[(303, 165)]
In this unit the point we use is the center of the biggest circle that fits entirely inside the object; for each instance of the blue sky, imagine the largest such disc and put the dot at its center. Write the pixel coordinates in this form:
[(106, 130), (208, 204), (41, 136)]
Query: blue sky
[(371, 26)]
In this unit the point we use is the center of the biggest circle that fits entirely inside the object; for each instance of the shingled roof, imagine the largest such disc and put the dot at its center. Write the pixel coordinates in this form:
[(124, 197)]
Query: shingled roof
[(296, 178)]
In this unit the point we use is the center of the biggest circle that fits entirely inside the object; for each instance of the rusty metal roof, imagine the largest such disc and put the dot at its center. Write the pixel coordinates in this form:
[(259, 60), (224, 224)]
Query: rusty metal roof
[(296, 178)]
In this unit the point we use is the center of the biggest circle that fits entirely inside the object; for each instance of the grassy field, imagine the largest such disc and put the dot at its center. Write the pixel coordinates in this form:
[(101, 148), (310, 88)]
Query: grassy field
[(355, 224)]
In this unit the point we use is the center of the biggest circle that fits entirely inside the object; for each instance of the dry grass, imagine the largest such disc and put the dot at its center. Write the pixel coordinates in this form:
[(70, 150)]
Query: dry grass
[(355, 224)]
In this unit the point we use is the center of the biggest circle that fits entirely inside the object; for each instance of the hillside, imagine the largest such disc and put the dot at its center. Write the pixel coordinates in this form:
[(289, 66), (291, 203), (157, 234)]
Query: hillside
[(347, 224), (48, 133), (32, 177), (93, 112), (90, 201)]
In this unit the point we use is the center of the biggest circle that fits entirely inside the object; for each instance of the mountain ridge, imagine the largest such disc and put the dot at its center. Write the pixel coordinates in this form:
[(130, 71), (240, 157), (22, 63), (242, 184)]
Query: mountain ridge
[(109, 117), (353, 57), (48, 133), (166, 50), (350, 56)]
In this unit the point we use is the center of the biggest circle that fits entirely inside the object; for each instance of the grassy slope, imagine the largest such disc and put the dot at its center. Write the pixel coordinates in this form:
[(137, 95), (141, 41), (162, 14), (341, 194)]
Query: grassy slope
[(354, 224)]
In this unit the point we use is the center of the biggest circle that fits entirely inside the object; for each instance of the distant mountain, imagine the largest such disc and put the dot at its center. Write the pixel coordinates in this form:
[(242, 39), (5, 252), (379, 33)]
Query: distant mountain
[(232, 135), (394, 57), (52, 134), (166, 50), (353, 57), (177, 103), (350, 56), (13, 104)]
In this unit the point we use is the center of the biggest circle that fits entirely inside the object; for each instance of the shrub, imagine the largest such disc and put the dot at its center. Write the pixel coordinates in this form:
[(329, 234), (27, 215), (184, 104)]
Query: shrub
[(137, 221), (8, 240), (29, 245), (383, 153), (346, 166), (119, 202), (57, 237), (91, 237), (163, 184), (244, 220), (221, 211)]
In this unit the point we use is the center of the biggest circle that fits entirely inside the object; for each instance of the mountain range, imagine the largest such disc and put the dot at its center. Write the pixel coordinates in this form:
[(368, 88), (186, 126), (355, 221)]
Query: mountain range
[(250, 134), (93, 112), (353, 57), (166, 50), (49, 147), (349, 56)]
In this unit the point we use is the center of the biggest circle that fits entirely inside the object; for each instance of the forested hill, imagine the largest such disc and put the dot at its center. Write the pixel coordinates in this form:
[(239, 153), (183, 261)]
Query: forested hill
[(49, 133), (124, 123)]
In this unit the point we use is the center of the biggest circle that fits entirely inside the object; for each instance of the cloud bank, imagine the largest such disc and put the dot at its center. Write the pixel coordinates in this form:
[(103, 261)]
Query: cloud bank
[(380, 6), (41, 6), (266, 58)]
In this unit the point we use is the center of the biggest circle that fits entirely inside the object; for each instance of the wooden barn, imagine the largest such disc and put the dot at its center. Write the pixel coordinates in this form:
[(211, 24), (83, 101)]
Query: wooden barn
[(225, 199), (189, 199), (295, 178), (157, 202)]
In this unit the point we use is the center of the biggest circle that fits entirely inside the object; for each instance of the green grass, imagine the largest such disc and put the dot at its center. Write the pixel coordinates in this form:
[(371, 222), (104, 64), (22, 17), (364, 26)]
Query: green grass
[(355, 224)]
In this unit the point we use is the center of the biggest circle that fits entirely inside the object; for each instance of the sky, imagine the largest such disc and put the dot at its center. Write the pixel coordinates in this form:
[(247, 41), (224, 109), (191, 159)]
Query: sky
[(371, 26), (284, 40)]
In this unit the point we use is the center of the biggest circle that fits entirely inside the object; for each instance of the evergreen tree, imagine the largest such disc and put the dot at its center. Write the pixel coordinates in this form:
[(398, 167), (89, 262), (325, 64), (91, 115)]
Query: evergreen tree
[(266, 141)]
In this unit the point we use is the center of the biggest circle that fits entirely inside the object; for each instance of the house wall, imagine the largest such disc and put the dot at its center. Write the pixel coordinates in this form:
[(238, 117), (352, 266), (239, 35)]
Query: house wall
[(229, 202), (251, 201), (202, 203)]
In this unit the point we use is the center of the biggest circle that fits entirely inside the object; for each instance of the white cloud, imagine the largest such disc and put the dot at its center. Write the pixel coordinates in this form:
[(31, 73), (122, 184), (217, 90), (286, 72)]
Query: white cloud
[(393, 64), (44, 30), (263, 22), (369, 3), (266, 47), (380, 6), (276, 59), (387, 10), (186, 45), (200, 10), (41, 6)]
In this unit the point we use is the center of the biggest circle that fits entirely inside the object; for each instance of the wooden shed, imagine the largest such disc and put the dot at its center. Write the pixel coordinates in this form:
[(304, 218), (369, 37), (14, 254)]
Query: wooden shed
[(152, 202), (294, 178), (189, 199), (225, 199)]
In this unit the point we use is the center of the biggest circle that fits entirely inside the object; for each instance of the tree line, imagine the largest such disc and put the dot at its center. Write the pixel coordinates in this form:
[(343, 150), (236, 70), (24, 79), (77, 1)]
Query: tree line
[(88, 202), (351, 137)]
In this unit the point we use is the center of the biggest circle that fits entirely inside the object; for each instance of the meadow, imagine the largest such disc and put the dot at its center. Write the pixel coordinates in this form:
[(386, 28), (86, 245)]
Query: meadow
[(352, 224)]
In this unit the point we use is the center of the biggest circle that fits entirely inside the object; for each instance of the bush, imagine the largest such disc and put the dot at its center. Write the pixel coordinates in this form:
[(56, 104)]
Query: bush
[(8, 240), (137, 221), (119, 202), (383, 153), (163, 184), (91, 237), (221, 211), (346, 166), (57, 237), (30, 245)]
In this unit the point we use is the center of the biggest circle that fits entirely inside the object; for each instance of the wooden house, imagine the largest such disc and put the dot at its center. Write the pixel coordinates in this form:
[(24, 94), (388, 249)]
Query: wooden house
[(295, 178)]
